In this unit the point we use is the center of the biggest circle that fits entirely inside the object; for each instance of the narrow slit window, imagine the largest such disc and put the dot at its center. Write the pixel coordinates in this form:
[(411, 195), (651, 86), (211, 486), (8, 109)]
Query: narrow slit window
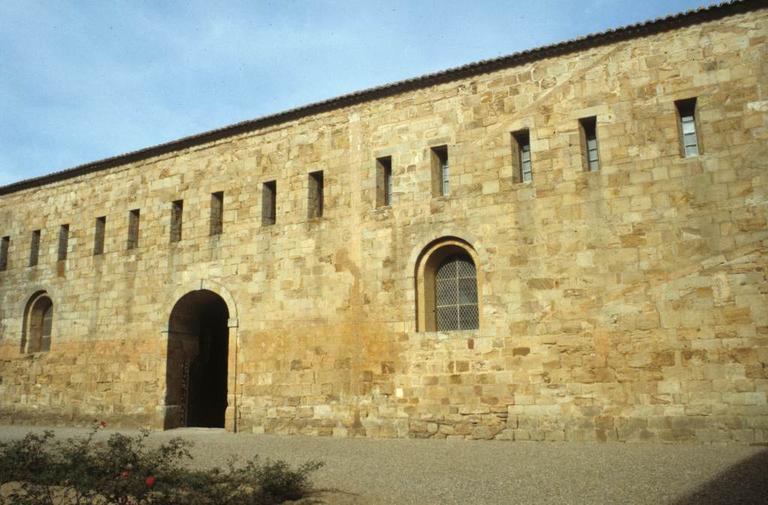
[(269, 203), (217, 213), (441, 185), (34, 248), (5, 244), (316, 194), (134, 219), (63, 242), (522, 147), (98, 236), (589, 134), (384, 181), (686, 113), (177, 211)]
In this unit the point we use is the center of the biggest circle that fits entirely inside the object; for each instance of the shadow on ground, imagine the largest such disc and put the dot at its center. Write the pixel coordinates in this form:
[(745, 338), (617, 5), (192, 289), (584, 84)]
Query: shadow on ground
[(745, 483)]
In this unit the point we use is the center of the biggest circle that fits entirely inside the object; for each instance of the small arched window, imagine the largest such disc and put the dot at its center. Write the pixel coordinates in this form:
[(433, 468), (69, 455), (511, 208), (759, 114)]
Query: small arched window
[(447, 287), (38, 324)]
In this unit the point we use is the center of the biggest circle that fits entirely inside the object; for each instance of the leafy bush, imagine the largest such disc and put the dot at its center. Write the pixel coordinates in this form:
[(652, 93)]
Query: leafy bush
[(41, 470)]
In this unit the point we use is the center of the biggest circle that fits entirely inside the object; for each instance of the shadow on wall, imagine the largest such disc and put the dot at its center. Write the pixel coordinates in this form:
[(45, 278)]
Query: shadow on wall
[(745, 483)]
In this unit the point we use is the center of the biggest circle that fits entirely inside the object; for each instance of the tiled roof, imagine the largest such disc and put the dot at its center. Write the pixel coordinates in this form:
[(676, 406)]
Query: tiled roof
[(650, 27)]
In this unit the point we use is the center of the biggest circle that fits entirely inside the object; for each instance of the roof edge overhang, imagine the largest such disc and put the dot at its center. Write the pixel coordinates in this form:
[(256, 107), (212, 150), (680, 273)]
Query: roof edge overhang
[(628, 32)]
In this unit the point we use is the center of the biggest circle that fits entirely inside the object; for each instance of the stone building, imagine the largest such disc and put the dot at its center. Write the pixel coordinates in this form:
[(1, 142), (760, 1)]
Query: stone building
[(565, 243)]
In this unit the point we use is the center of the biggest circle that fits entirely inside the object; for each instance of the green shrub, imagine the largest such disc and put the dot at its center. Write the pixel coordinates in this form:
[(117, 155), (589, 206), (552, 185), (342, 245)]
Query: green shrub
[(41, 470)]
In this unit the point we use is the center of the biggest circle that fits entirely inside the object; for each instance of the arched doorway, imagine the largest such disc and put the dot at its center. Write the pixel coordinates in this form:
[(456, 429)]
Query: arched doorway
[(196, 370)]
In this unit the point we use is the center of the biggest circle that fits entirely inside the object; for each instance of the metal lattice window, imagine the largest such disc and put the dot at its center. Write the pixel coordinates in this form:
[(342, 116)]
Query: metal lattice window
[(456, 294)]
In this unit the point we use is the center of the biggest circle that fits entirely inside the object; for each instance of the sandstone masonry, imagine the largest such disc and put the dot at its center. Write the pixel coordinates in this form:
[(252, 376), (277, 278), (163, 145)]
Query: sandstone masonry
[(275, 277)]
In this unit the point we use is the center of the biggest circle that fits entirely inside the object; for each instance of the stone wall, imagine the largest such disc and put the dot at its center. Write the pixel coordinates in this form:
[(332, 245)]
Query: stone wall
[(625, 304)]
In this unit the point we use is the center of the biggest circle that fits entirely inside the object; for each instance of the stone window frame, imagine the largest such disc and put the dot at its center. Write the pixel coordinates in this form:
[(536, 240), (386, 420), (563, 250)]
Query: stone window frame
[(99, 232), (36, 338), (269, 203), (687, 113), (384, 181), (5, 247), (63, 246), (177, 221), (315, 194), (440, 167), (34, 248), (521, 149), (217, 213), (430, 259), (134, 224), (590, 144)]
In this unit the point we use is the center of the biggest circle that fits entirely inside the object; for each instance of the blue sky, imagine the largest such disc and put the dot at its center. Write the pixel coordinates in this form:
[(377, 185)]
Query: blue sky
[(81, 81)]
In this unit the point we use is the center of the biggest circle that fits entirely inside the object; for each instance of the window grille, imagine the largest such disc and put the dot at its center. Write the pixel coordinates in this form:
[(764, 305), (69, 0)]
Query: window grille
[(47, 324), (456, 295)]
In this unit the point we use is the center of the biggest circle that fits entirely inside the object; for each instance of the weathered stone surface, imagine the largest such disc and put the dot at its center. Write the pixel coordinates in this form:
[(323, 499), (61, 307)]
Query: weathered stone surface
[(625, 304)]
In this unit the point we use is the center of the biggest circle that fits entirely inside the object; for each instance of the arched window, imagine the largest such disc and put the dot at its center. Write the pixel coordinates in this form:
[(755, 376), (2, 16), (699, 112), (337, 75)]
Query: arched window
[(456, 294), (447, 287), (38, 324)]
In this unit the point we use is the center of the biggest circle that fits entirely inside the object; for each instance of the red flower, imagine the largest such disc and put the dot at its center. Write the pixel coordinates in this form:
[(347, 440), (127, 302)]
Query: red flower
[(150, 481), (125, 473)]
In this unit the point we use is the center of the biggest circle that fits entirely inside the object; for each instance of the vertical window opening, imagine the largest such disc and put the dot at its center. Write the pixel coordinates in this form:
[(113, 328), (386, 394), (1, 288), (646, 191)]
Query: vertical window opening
[(134, 218), (177, 210), (34, 248), (315, 199), (441, 185), (384, 181), (63, 242), (38, 324), (217, 213), (269, 203), (521, 141), (588, 127), (98, 236), (5, 244), (686, 113)]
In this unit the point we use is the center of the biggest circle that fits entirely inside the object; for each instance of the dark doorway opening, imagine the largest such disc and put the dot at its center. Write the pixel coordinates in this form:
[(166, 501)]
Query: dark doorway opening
[(196, 371)]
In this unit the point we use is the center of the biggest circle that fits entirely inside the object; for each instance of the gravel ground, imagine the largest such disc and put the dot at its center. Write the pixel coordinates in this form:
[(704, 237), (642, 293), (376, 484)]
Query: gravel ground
[(439, 472)]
